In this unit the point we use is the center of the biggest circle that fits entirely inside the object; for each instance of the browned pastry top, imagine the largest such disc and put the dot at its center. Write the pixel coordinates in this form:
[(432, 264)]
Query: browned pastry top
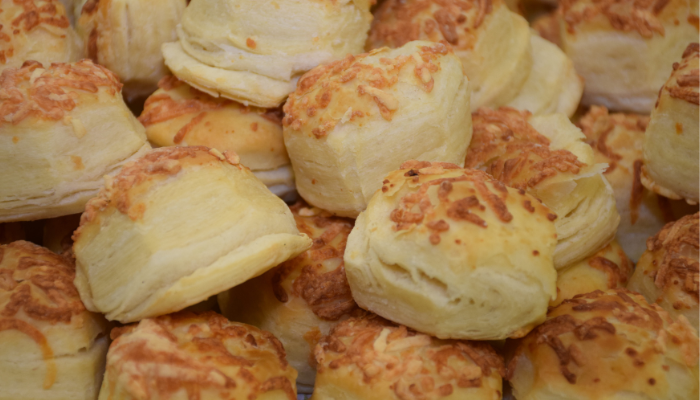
[(32, 91), (397, 22), (413, 364)]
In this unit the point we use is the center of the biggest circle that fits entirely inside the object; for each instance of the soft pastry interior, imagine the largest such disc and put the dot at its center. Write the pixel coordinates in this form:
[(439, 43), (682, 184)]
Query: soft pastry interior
[(126, 36), (228, 229), (254, 52), (351, 122), (668, 273), (300, 300), (622, 49), (671, 142), (52, 347), (606, 345), (37, 30), (548, 157), (187, 354), (458, 254), (180, 115), (369, 358), (63, 128), (617, 139)]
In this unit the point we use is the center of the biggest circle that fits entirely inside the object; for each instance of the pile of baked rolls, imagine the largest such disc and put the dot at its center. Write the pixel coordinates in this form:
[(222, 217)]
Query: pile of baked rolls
[(410, 200)]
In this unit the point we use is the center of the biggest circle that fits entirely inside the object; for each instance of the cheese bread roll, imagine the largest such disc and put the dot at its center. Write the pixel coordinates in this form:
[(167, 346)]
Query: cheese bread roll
[(52, 347), (196, 356), (369, 358), (668, 273), (62, 128), (453, 253), (351, 122), (671, 143), (254, 51), (37, 30), (175, 227), (607, 345)]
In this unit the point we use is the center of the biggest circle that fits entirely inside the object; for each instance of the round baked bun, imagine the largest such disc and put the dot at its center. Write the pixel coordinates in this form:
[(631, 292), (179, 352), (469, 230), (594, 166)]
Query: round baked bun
[(175, 227), (62, 128), (254, 51), (126, 35), (668, 273), (453, 253), (607, 345), (553, 85), (547, 157), (180, 115), (204, 356), (36, 30), (52, 347), (671, 150), (617, 139), (301, 299), (607, 269), (370, 358), (351, 122), (622, 49), (492, 42)]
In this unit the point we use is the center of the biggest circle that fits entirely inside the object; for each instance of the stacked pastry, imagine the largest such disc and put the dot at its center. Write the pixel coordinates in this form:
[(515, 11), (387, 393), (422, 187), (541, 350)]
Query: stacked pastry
[(52, 347), (486, 222), (505, 63), (179, 115), (255, 52)]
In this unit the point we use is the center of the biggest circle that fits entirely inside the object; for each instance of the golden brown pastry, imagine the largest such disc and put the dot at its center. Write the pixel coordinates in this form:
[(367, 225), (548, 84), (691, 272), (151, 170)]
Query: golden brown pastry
[(254, 51), (492, 42), (175, 227), (36, 30), (453, 253), (671, 153), (351, 122), (196, 356), (617, 139), (369, 358), (621, 48), (62, 128), (180, 115), (607, 345), (547, 157), (126, 36), (607, 269), (668, 273), (301, 299), (52, 347)]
